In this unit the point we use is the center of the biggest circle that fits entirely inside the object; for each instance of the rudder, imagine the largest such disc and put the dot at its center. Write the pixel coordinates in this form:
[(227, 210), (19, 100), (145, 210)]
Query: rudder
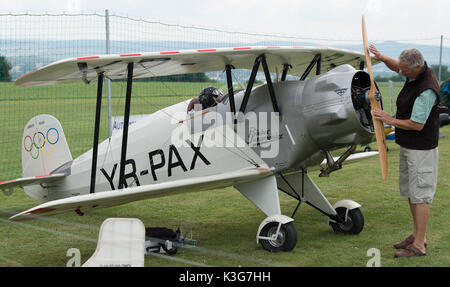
[(44, 146)]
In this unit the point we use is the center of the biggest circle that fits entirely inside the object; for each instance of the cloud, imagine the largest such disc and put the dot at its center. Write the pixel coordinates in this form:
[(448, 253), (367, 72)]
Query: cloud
[(373, 7), (332, 19), (73, 5)]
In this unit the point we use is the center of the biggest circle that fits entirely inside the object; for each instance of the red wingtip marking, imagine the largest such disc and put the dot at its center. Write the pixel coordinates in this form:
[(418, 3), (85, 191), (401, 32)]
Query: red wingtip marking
[(169, 52), (130, 55), (27, 74), (87, 58), (42, 210), (8, 181), (46, 175)]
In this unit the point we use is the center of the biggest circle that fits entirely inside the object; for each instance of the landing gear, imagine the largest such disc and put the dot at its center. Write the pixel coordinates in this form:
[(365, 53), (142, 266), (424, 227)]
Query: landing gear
[(277, 233), (347, 221), (368, 148), (344, 216)]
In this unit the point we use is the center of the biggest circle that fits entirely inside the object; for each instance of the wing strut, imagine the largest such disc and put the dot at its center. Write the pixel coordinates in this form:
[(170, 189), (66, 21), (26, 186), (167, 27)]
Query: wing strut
[(230, 88), (126, 122), (125, 128), (250, 83), (286, 68), (316, 60), (260, 59), (98, 108), (361, 65), (270, 85)]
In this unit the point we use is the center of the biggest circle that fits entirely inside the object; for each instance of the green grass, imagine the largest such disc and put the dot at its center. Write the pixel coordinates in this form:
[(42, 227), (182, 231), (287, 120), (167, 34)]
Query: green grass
[(223, 222)]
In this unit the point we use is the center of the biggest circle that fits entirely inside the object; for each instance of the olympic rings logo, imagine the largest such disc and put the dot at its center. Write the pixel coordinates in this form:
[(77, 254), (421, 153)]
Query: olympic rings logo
[(33, 144)]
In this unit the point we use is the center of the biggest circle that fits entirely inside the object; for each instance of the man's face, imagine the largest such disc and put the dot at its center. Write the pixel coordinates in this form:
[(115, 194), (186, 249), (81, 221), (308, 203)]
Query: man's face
[(407, 72)]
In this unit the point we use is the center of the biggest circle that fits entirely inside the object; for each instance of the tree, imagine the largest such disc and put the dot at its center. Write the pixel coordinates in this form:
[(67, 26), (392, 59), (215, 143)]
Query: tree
[(4, 70), (394, 78), (195, 77), (445, 73)]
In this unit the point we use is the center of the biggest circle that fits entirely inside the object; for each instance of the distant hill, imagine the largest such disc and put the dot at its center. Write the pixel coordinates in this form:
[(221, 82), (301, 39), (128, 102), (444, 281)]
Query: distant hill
[(26, 55), (393, 49)]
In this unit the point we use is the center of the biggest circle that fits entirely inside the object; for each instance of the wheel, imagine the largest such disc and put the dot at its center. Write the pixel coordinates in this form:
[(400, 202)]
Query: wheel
[(171, 251), (286, 240), (354, 223), (367, 149)]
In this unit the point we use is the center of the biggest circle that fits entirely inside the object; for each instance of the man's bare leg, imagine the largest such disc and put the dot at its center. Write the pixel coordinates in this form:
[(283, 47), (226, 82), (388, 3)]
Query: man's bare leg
[(421, 214), (413, 213)]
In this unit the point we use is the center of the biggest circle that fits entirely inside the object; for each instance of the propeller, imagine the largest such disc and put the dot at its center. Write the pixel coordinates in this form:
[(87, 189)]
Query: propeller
[(375, 105)]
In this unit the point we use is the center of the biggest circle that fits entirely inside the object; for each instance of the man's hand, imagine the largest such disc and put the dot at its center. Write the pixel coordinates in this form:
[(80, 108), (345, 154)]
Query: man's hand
[(403, 124), (383, 116), (391, 63), (377, 54)]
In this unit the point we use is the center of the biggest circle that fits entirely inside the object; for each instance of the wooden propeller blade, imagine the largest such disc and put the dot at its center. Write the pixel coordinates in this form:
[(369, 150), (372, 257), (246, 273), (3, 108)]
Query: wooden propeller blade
[(375, 105)]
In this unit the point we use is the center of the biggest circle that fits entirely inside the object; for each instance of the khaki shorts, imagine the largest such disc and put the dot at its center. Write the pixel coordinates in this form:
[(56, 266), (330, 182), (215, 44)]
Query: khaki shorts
[(418, 171)]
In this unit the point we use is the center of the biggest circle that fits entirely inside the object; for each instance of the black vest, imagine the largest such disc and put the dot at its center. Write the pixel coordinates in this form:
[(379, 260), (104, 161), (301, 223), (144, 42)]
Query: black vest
[(428, 137)]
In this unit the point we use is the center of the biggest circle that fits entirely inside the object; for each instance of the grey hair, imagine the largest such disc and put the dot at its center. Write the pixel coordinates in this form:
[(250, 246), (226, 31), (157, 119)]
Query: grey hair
[(412, 57)]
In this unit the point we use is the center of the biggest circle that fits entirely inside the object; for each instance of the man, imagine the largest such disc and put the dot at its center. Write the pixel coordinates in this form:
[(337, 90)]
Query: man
[(209, 97), (417, 132)]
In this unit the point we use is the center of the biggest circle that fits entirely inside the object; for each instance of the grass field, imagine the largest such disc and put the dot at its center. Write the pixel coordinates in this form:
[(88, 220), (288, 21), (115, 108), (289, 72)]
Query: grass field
[(223, 222)]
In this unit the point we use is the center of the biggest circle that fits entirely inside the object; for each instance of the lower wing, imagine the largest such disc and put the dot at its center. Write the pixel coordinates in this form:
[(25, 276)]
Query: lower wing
[(83, 203)]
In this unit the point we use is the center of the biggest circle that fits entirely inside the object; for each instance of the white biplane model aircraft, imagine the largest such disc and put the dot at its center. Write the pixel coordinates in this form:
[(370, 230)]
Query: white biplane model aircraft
[(313, 116)]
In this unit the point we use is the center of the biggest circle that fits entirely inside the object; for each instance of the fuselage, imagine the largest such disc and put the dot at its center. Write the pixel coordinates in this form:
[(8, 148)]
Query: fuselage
[(316, 115)]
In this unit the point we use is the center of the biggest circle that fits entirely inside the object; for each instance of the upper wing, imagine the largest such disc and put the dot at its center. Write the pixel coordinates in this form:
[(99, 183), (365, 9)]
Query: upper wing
[(10, 184), (187, 61), (84, 203)]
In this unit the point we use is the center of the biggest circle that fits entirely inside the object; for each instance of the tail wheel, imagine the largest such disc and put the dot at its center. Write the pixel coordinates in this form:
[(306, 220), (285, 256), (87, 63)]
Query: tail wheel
[(353, 221), (285, 241), (171, 251)]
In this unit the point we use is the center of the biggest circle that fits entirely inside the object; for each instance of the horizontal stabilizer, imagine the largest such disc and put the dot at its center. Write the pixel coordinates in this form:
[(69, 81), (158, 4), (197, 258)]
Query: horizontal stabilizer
[(83, 203), (40, 179)]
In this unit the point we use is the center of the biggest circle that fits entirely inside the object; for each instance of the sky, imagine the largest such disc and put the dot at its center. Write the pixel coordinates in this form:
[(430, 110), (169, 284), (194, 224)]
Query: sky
[(314, 19)]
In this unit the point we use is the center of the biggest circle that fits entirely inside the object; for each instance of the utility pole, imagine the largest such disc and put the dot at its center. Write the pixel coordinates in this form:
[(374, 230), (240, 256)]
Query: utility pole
[(440, 61), (108, 82)]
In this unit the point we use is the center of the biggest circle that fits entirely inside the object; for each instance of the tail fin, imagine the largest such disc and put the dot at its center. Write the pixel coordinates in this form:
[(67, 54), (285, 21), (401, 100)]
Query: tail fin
[(44, 146)]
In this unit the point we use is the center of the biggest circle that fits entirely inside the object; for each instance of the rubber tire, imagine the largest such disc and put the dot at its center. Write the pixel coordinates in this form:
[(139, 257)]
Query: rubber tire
[(171, 251), (355, 224), (289, 234)]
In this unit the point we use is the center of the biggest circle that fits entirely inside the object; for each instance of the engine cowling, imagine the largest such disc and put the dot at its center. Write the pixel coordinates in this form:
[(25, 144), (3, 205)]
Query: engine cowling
[(336, 108)]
